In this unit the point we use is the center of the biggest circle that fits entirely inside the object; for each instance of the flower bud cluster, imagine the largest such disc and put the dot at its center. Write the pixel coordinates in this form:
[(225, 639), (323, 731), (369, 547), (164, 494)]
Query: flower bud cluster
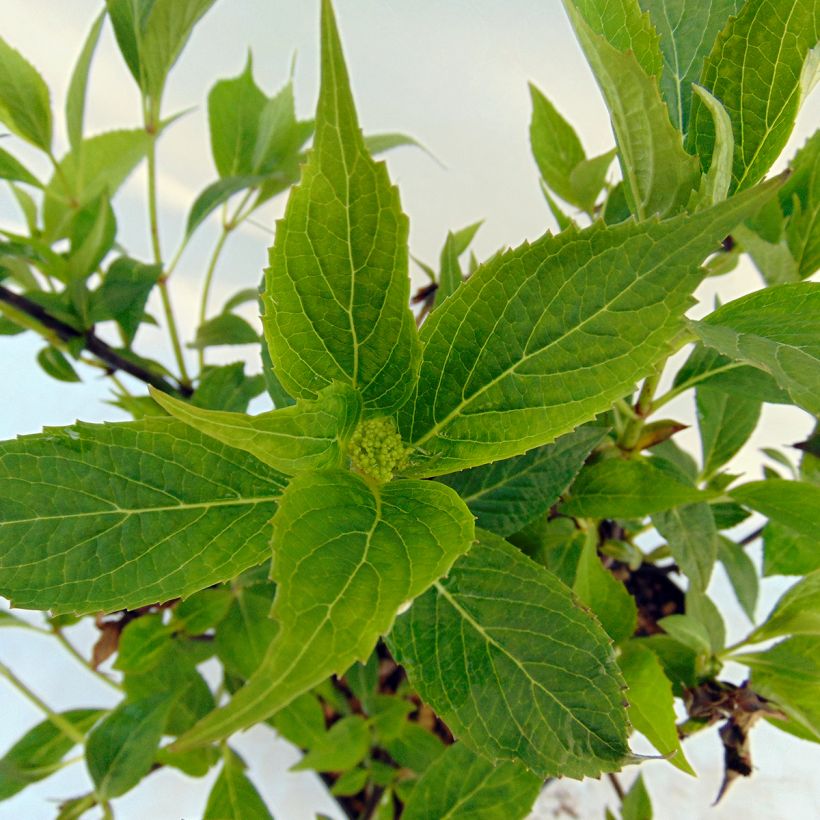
[(376, 449)]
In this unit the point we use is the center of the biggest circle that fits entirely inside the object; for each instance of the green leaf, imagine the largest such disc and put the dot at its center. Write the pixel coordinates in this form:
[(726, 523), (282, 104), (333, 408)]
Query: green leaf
[(302, 721), (337, 292), (123, 294), (243, 637), (588, 177), (77, 87), (217, 193), (568, 325), (659, 175), (344, 746), (451, 274), (233, 796), (555, 544), (56, 365), (120, 749), (742, 574), (800, 199), (507, 495), (312, 435), (224, 329), (556, 148), (692, 537), (651, 703), (795, 504), (605, 595), (350, 783), (39, 752), (754, 70), (775, 330), (787, 551), (203, 610), (688, 631), (227, 388), (701, 607), (687, 30), (615, 488), (514, 665), (789, 675), (461, 783), (104, 517), (715, 183), (797, 612), (13, 170), (636, 805), (415, 748), (725, 422), (25, 104), (347, 556)]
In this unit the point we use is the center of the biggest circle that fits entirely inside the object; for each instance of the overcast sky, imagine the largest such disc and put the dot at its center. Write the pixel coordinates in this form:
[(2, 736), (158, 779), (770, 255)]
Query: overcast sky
[(454, 75)]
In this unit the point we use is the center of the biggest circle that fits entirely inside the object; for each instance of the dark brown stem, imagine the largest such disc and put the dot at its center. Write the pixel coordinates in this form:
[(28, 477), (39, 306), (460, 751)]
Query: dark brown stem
[(752, 536), (616, 784), (91, 342)]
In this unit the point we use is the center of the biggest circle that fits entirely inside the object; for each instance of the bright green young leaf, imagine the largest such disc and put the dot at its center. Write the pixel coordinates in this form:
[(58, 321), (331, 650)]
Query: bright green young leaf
[(381, 143), (701, 607), (506, 495), (604, 594), (651, 703), (451, 274), (692, 537), (233, 796), (636, 805), (688, 631), (347, 556), (104, 517), (568, 325), (25, 104), (659, 175), (120, 749), (311, 435), (589, 177), (243, 637), (515, 666), (556, 148), (224, 329), (797, 612), (337, 292), (800, 199), (13, 170), (123, 294), (302, 721), (715, 183), (461, 783), (787, 551), (775, 330), (227, 387), (794, 504), (77, 87), (57, 365), (687, 30), (725, 422), (615, 488), (742, 574), (773, 260), (344, 746), (215, 194), (415, 748), (38, 753), (754, 69), (789, 675)]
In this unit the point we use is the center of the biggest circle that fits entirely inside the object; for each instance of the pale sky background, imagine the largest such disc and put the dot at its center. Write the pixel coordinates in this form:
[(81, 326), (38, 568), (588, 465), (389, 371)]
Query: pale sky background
[(454, 75)]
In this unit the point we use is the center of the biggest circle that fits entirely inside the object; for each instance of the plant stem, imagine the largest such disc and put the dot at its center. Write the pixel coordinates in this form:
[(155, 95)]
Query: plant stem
[(616, 785), (65, 726), (643, 408), (153, 219), (206, 285), (72, 650)]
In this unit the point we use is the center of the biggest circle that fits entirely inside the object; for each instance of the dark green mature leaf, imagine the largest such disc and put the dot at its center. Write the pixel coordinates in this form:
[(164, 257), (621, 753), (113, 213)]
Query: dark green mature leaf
[(615, 488), (754, 69), (568, 325), (775, 330), (797, 612), (13, 170), (224, 329), (233, 796), (789, 675), (725, 422), (787, 551), (507, 495), (337, 291), (555, 544), (243, 638), (461, 783), (103, 517), (659, 175), (347, 556), (687, 30), (57, 365), (227, 388), (651, 703), (344, 746), (692, 537), (514, 665), (38, 753), (794, 504), (311, 435), (75, 98), (120, 749), (742, 574), (25, 105), (556, 148), (123, 294)]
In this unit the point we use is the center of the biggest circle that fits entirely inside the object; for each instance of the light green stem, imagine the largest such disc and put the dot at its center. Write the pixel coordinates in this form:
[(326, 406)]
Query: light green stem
[(72, 650), (643, 408)]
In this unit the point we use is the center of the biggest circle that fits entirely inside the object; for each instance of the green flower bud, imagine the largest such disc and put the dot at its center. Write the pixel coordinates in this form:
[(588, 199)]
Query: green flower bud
[(376, 449)]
